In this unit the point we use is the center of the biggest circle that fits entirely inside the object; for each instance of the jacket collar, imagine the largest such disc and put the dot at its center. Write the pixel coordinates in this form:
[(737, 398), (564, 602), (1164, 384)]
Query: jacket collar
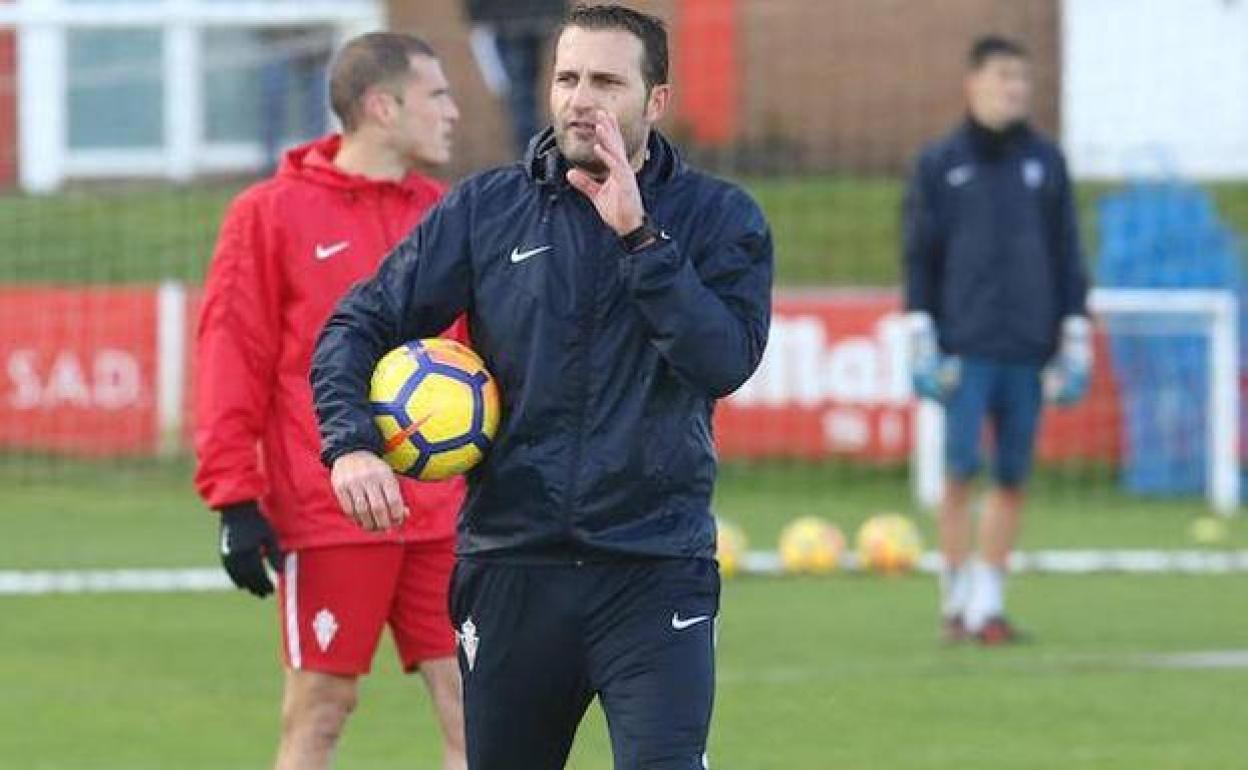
[(545, 165), (993, 143)]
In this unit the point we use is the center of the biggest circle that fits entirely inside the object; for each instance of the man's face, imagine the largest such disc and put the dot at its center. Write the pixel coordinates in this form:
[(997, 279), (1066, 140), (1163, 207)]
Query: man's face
[(601, 69), (999, 92), (424, 115)]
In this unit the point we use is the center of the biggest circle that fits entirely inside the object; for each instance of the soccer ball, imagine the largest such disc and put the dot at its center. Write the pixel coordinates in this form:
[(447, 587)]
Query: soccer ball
[(889, 543), (1208, 530), (436, 407), (730, 547), (811, 545)]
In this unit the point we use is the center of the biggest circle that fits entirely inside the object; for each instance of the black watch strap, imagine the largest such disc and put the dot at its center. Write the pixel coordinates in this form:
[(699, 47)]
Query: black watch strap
[(639, 237)]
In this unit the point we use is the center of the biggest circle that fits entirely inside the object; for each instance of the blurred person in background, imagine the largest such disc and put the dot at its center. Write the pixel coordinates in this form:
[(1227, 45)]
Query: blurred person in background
[(289, 248), (995, 292), (509, 39), (294, 65)]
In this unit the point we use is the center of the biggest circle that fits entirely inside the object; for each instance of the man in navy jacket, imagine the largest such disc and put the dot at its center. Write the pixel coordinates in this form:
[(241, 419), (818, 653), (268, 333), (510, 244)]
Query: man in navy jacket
[(615, 293), (996, 292)]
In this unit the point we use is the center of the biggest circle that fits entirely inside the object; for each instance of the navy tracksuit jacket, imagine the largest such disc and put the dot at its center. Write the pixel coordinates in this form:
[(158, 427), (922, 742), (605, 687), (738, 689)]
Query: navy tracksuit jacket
[(991, 244), (609, 363)]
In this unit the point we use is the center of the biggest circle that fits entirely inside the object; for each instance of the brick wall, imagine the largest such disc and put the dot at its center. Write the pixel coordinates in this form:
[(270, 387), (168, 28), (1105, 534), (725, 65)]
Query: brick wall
[(835, 85), (8, 108), (860, 84)]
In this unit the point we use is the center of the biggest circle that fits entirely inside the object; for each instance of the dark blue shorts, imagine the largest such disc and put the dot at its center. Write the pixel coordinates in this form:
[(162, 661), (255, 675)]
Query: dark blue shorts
[(1007, 396), (538, 642)]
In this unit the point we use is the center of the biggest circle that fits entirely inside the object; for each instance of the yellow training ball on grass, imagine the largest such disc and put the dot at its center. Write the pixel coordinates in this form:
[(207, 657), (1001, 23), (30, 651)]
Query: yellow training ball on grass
[(811, 545), (730, 547), (889, 543), (436, 406), (1208, 530)]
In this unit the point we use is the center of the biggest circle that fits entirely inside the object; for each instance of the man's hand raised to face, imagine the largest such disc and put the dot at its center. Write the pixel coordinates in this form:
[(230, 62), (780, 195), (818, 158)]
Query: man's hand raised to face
[(616, 195)]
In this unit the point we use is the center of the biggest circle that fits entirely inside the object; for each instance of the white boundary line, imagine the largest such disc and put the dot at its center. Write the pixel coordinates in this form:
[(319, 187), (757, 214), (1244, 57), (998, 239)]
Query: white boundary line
[(1063, 562), (1066, 562), (20, 582), (1042, 664)]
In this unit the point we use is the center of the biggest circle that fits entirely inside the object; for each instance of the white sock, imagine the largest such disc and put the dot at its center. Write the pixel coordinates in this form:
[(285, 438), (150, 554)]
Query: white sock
[(987, 599), (955, 590)]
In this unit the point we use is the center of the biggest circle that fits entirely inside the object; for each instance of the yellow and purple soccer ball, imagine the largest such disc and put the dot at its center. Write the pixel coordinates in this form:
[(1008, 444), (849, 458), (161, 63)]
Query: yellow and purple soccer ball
[(436, 406), (889, 543), (811, 545)]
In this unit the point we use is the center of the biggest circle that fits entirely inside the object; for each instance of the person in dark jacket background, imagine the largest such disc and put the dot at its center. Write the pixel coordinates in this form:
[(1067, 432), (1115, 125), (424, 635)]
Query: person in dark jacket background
[(995, 290), (509, 38), (615, 293), (295, 65)]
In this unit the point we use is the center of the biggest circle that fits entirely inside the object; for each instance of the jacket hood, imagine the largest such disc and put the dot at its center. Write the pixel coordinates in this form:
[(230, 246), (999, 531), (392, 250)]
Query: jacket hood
[(546, 165), (314, 162)]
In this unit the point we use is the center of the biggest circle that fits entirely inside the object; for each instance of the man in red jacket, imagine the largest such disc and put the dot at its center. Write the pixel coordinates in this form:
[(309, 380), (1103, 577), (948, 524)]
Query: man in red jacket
[(289, 248)]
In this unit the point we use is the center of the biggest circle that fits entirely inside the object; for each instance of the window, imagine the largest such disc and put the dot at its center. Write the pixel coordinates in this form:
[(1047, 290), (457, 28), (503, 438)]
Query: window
[(231, 83), (172, 88), (115, 79), (259, 82)]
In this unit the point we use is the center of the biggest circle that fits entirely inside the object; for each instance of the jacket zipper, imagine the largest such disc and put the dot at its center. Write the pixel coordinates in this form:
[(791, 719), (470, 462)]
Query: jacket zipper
[(589, 328)]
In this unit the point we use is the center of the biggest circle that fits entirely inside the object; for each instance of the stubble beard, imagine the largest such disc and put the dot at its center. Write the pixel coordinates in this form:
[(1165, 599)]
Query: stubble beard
[(583, 157)]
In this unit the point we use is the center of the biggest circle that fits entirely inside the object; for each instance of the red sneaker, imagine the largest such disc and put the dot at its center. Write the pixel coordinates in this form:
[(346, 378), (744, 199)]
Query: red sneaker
[(998, 631)]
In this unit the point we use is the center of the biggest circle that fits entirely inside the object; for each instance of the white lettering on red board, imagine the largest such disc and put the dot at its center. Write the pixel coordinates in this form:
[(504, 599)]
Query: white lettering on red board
[(108, 379), (802, 367)]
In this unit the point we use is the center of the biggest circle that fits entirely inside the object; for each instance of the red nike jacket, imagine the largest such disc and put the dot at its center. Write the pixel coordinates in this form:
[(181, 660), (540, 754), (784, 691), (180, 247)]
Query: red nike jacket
[(289, 248)]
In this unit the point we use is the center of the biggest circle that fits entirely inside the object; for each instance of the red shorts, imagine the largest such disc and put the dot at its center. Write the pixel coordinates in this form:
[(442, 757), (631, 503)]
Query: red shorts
[(335, 601)]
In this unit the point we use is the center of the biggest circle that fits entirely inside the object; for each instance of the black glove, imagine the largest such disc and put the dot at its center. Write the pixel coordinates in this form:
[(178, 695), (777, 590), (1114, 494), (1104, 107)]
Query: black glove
[(246, 539)]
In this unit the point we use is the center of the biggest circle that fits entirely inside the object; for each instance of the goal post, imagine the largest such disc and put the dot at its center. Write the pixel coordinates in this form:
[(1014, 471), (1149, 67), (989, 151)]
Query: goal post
[(1210, 313)]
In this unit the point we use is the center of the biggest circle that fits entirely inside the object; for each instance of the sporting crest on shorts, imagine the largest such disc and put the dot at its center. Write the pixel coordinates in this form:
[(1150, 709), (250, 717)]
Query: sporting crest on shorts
[(468, 641), (325, 625)]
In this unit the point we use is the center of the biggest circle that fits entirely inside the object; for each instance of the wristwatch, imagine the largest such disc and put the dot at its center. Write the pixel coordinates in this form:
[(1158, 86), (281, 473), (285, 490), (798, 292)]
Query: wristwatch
[(642, 236)]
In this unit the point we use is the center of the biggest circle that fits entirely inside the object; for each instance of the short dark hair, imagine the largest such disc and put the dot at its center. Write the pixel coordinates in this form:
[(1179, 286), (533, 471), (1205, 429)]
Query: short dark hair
[(989, 46), (366, 61), (650, 30)]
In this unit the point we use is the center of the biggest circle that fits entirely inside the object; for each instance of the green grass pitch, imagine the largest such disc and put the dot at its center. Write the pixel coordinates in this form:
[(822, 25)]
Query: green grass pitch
[(842, 671), (838, 672)]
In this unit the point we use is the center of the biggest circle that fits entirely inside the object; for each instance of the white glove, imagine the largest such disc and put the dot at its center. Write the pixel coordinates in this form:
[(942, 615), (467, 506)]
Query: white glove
[(931, 375), (1068, 375)]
